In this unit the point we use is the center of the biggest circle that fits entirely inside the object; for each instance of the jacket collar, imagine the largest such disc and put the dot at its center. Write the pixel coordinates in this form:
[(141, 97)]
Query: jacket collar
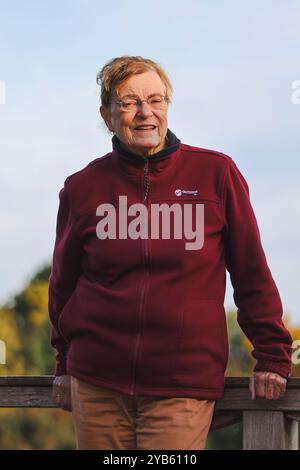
[(161, 161)]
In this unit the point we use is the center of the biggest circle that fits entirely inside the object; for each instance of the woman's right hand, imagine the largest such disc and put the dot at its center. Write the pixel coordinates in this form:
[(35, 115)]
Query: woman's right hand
[(61, 392)]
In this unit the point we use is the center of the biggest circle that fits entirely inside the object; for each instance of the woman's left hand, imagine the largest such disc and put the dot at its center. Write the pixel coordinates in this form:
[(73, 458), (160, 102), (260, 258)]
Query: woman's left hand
[(267, 385), (61, 391)]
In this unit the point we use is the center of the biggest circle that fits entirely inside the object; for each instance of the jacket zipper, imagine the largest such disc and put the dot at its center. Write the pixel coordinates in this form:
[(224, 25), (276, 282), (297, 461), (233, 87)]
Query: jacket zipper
[(146, 252)]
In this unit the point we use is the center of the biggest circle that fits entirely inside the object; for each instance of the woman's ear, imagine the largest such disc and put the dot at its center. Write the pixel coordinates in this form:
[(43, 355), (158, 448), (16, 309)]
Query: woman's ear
[(106, 117)]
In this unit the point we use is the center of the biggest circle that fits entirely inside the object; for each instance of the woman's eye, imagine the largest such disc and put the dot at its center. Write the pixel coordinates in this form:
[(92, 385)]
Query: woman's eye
[(155, 100)]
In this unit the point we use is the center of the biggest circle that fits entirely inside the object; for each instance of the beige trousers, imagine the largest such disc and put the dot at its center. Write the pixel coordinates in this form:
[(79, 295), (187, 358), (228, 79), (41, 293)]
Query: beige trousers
[(105, 419)]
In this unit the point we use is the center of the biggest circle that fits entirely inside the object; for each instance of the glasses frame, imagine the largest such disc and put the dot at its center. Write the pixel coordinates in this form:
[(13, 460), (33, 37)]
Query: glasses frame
[(139, 102)]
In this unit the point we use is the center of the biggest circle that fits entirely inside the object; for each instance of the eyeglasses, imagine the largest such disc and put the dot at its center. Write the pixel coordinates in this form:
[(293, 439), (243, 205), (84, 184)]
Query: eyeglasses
[(157, 102)]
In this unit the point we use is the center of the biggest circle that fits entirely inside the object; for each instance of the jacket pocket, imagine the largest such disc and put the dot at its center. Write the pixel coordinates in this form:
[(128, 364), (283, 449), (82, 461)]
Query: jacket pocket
[(202, 341)]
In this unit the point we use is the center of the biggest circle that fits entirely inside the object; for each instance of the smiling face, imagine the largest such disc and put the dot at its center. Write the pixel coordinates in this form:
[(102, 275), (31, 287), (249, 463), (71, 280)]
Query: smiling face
[(144, 130)]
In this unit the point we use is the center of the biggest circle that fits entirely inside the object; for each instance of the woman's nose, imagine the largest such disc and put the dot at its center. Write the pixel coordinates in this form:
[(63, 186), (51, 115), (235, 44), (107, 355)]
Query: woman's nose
[(144, 109)]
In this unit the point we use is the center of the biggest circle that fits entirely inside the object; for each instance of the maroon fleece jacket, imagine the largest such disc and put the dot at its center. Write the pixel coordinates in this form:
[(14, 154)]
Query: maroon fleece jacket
[(146, 316)]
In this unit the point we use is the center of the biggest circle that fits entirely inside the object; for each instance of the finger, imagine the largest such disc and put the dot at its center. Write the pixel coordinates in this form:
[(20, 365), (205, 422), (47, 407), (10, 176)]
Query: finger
[(59, 391), (59, 401), (279, 387), (270, 386), (282, 386), (56, 396), (260, 384), (277, 393), (59, 397), (283, 389), (55, 391), (252, 387)]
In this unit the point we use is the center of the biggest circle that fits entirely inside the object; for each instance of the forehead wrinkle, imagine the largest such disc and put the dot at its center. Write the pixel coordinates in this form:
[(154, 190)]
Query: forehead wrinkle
[(142, 90)]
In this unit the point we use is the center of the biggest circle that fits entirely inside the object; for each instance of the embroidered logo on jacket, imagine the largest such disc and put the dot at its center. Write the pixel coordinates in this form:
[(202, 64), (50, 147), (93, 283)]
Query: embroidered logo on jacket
[(181, 192)]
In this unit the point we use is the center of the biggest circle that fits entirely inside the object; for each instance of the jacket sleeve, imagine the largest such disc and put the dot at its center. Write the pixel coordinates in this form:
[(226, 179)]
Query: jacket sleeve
[(66, 269), (255, 294)]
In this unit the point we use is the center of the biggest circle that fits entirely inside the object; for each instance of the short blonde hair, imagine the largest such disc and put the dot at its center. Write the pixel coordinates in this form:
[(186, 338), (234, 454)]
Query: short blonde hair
[(119, 69)]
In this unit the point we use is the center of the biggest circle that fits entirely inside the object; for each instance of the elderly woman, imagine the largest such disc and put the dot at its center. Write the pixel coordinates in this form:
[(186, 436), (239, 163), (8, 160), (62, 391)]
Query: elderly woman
[(144, 236)]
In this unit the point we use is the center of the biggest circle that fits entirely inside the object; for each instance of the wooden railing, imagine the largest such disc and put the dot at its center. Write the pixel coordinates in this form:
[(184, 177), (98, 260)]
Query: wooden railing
[(267, 424)]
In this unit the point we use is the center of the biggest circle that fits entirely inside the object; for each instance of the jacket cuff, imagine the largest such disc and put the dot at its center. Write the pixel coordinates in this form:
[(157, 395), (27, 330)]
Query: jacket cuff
[(278, 367)]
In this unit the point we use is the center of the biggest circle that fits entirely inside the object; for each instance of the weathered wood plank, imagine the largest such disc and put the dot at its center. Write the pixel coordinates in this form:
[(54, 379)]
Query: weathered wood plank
[(230, 382), (35, 391), (26, 397), (240, 399), (26, 380), (269, 430)]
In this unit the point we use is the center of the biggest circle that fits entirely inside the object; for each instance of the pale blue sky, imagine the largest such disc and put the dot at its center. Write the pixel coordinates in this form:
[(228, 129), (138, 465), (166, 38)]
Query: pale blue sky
[(232, 64)]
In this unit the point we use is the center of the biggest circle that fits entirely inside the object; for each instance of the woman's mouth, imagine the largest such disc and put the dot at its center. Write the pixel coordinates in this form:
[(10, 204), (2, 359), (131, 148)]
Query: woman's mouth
[(145, 128)]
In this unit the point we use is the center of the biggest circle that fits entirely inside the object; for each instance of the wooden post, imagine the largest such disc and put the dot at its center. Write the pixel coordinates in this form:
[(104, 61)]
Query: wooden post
[(269, 430)]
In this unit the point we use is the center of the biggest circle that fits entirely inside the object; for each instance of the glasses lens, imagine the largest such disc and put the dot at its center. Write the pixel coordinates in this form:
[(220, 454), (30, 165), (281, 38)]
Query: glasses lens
[(129, 105), (157, 102)]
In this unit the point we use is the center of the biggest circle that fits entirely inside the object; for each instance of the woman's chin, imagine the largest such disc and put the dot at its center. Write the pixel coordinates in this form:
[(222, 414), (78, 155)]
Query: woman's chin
[(149, 145)]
